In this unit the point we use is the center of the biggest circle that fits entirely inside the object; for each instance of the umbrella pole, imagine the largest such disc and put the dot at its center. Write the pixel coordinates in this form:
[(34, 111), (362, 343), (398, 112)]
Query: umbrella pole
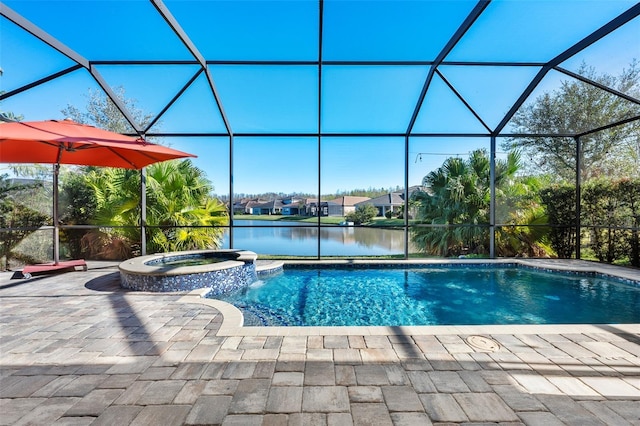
[(56, 224), (143, 211)]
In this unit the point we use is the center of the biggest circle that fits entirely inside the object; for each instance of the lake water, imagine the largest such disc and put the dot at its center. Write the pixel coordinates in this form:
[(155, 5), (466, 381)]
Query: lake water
[(301, 239)]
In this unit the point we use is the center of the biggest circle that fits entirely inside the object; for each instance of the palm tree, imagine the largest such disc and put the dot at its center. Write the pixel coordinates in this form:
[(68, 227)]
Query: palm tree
[(178, 194), (181, 214), (457, 201), (519, 208)]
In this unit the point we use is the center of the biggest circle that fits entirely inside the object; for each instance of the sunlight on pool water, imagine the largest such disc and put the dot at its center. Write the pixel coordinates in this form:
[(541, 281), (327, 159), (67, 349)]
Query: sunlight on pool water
[(423, 296)]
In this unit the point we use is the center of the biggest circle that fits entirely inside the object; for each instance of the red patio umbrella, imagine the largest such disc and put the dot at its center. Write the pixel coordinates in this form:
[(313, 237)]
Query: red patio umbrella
[(67, 142)]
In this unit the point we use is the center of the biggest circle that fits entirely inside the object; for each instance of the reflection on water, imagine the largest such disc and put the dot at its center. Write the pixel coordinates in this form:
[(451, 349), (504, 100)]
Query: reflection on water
[(299, 240)]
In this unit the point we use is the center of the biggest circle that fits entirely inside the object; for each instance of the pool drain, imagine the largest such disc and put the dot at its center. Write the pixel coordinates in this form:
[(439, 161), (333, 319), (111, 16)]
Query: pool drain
[(483, 343)]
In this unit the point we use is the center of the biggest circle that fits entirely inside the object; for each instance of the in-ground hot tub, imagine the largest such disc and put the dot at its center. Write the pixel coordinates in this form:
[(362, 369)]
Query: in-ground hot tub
[(219, 270)]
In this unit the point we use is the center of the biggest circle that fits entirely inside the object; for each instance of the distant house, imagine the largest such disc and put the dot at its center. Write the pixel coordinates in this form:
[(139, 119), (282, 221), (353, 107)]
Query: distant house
[(258, 206), (268, 207), (323, 208), (291, 210), (346, 205), (392, 202), (246, 205), (292, 206), (240, 206), (312, 207)]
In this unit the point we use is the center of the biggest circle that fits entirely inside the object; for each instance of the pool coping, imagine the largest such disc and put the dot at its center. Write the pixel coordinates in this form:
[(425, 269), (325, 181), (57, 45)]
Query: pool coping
[(232, 324), (141, 265)]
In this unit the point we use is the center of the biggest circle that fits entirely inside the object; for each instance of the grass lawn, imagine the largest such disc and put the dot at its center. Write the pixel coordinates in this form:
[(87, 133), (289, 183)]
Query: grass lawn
[(257, 217), (331, 220), (325, 220), (383, 221)]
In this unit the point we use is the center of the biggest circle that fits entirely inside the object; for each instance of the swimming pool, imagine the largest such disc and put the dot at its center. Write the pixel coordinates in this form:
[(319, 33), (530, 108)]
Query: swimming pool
[(453, 295)]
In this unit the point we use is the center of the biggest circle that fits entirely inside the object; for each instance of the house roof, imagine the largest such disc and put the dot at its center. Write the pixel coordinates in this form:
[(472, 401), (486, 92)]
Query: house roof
[(272, 204), (244, 201), (390, 199), (348, 200), (254, 203)]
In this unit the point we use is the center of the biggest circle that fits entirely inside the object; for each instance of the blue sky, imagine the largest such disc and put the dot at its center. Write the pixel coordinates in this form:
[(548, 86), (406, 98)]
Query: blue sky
[(284, 99)]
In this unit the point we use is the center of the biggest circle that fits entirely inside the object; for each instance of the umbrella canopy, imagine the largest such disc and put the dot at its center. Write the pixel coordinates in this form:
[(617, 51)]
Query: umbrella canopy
[(68, 142)]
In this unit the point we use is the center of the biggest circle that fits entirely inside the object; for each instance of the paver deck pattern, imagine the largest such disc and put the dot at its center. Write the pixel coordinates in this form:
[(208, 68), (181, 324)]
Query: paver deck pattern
[(77, 349)]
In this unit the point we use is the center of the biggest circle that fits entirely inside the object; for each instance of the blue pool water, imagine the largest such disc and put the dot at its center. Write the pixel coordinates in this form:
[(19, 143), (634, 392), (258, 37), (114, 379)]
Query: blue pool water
[(435, 296)]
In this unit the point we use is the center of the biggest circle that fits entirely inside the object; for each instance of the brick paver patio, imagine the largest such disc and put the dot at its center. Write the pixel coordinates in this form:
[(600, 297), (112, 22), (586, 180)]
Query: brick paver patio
[(77, 349)]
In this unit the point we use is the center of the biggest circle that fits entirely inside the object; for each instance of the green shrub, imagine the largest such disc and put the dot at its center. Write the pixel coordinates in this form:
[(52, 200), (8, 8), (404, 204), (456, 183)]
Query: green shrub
[(363, 214), (20, 218), (629, 191), (560, 205), (601, 213), (610, 216)]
